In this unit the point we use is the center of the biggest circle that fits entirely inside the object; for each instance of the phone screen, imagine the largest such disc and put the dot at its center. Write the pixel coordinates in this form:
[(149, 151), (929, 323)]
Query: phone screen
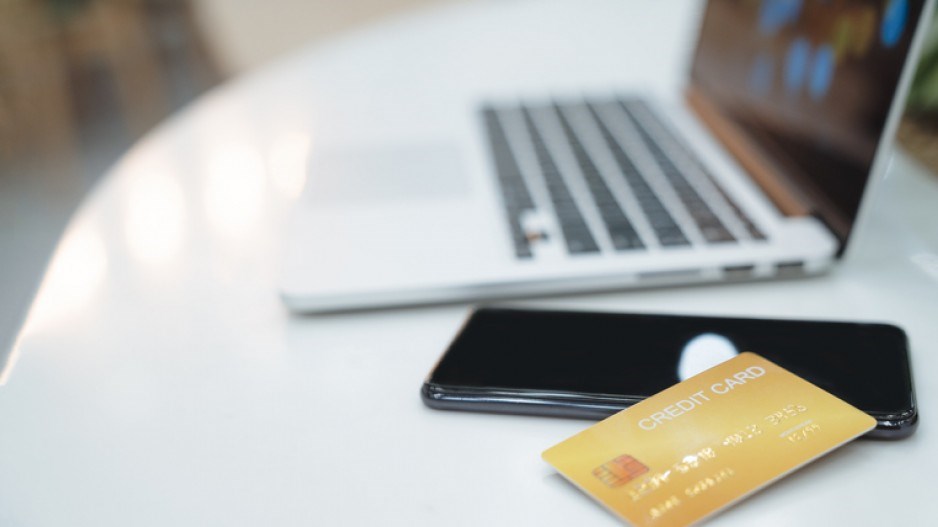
[(636, 356)]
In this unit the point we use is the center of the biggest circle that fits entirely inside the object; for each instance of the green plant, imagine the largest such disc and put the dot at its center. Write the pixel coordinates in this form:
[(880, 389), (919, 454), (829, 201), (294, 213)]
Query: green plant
[(923, 96)]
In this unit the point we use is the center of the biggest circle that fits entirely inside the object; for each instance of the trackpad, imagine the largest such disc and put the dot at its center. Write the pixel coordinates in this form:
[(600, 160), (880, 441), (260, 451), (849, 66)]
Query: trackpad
[(386, 174)]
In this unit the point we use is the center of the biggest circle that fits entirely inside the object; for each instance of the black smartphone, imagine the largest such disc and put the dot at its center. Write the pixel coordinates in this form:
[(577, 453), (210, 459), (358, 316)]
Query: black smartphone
[(591, 365)]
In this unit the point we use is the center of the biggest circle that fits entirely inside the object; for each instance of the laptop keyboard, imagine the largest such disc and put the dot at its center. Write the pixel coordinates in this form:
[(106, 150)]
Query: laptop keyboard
[(663, 143), (666, 229), (515, 195), (621, 231), (710, 226), (607, 176), (575, 230)]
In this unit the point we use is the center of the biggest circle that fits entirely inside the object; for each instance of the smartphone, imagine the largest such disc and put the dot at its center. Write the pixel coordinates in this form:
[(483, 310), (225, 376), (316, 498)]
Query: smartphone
[(591, 365)]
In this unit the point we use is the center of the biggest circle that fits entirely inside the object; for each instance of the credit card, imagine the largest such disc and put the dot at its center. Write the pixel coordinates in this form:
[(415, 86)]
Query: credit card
[(701, 445)]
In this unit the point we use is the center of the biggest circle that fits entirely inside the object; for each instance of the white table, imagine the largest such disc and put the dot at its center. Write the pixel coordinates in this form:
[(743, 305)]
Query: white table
[(161, 382)]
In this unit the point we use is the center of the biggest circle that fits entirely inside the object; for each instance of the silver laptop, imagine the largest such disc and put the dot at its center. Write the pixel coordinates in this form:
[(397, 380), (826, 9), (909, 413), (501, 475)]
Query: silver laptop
[(789, 115)]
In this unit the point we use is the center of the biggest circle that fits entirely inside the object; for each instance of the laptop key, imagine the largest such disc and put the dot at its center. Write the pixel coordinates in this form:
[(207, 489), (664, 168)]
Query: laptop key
[(716, 233), (580, 241), (623, 238), (671, 237)]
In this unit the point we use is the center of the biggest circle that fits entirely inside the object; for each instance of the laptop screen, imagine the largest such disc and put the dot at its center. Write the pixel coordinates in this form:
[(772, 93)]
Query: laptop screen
[(810, 84)]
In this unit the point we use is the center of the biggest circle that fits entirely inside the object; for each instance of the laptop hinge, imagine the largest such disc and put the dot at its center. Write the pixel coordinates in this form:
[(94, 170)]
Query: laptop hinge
[(786, 197)]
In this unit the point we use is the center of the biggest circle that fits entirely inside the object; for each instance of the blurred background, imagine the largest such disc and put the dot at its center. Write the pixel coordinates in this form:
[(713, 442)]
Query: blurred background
[(82, 80)]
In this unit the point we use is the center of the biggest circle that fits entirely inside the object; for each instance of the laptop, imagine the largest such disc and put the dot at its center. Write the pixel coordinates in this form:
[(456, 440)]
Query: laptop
[(787, 117)]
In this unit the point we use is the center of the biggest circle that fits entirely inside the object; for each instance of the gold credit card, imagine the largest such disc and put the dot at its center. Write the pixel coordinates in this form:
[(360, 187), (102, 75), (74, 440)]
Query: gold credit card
[(695, 448)]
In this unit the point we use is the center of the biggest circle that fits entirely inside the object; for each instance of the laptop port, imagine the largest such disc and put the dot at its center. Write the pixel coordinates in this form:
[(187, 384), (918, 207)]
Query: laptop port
[(795, 268), (738, 272)]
